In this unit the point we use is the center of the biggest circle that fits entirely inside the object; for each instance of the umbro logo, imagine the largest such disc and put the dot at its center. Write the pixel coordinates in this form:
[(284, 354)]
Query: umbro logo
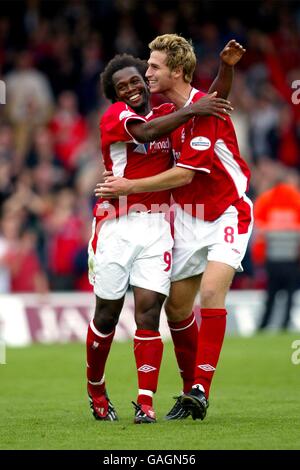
[(95, 345), (146, 368), (206, 367)]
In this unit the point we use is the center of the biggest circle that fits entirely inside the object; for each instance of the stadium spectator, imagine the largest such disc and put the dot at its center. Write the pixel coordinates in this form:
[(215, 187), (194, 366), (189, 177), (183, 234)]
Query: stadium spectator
[(17, 254), (64, 239), (47, 171), (6, 187), (68, 127), (25, 260), (277, 215), (92, 65), (5, 283), (7, 143), (62, 65), (29, 99)]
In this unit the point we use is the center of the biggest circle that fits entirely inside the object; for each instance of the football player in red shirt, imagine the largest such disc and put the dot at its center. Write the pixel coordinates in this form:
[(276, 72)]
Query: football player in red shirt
[(213, 220), (132, 243)]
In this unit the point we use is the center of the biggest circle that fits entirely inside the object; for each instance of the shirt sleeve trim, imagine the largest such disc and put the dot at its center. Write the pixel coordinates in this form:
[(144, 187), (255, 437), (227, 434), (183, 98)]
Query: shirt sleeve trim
[(205, 170), (133, 118)]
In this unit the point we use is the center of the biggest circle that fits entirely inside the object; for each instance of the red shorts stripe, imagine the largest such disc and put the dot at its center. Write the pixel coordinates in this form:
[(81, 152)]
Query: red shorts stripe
[(244, 215), (99, 221)]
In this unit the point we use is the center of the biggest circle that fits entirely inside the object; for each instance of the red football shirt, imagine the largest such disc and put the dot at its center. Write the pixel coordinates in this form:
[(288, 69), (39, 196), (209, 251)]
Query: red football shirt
[(209, 146), (124, 156)]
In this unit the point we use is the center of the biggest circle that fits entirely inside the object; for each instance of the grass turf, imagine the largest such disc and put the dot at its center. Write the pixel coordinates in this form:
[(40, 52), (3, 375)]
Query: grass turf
[(254, 403)]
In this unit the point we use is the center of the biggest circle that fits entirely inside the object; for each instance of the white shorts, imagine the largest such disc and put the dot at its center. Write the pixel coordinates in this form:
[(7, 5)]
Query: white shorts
[(225, 239), (135, 249)]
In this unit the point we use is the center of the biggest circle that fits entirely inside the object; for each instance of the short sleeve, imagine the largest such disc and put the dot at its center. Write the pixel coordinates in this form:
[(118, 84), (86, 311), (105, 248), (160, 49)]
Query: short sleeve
[(198, 140), (114, 123), (163, 110)]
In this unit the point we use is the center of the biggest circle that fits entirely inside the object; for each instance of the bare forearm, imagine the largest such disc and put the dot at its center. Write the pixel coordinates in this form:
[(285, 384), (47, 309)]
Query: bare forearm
[(223, 81), (169, 179), (152, 130), (115, 186)]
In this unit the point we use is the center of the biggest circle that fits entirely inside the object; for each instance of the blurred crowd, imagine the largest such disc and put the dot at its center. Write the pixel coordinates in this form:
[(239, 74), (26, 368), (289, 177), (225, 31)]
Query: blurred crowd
[(51, 56)]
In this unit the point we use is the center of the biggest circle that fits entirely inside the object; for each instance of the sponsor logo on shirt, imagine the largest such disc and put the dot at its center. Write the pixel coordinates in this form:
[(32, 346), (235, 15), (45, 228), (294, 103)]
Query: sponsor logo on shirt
[(160, 145), (200, 143)]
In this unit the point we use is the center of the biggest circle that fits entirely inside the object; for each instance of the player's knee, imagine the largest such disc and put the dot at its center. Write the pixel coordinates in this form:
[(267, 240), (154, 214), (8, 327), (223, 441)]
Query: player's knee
[(147, 323), (105, 325), (105, 319), (210, 297), (176, 313), (148, 319), (147, 310)]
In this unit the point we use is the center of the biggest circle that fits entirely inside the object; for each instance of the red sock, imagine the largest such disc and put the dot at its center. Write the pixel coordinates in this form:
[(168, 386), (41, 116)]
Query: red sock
[(148, 349), (97, 349), (210, 340), (185, 339)]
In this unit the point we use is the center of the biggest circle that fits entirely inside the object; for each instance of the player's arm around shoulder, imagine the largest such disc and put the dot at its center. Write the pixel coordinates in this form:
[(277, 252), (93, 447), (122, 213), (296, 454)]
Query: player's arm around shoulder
[(208, 105)]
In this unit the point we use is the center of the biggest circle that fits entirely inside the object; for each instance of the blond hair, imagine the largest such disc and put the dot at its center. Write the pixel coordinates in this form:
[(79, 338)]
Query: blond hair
[(180, 53)]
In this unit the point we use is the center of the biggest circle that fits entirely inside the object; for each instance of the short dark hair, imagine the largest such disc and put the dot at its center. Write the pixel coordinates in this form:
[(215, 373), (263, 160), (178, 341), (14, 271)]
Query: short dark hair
[(119, 62)]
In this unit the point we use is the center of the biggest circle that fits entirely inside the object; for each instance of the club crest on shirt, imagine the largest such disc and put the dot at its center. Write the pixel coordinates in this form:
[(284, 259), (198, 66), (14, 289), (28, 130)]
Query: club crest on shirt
[(182, 135), (200, 143)]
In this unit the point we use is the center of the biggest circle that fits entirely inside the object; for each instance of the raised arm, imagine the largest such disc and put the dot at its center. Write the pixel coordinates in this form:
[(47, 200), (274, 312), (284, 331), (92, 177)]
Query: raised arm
[(209, 105), (230, 55)]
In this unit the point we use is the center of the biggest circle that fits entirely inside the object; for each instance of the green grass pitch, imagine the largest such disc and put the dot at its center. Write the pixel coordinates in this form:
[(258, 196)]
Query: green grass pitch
[(254, 403)]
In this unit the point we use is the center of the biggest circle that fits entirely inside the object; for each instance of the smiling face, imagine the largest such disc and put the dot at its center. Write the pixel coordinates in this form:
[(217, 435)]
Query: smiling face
[(158, 74), (131, 88)]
